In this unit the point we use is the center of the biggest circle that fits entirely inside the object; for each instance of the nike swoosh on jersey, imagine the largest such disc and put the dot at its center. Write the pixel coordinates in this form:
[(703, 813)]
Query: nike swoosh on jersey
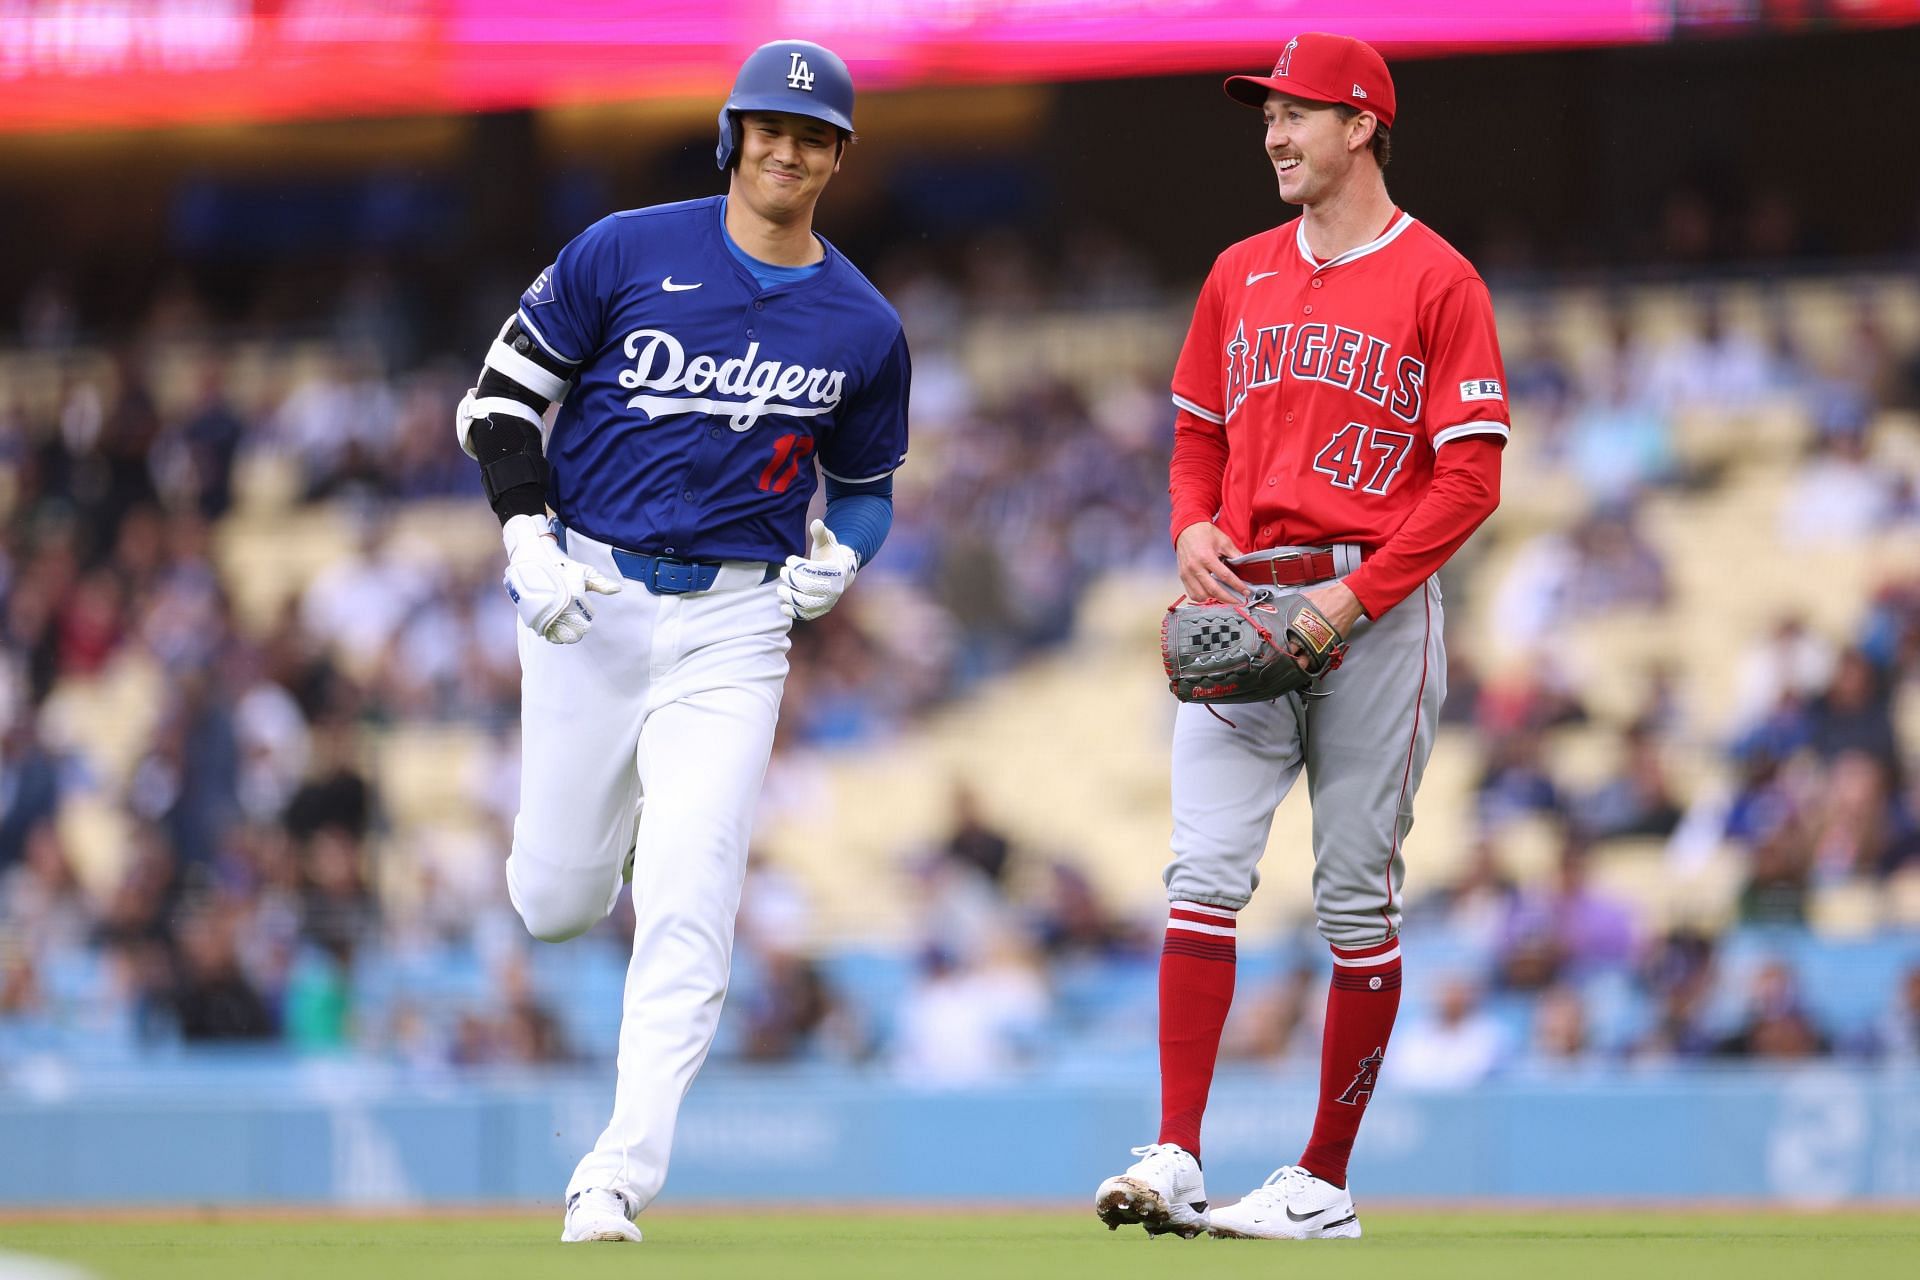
[(1254, 277), (671, 287)]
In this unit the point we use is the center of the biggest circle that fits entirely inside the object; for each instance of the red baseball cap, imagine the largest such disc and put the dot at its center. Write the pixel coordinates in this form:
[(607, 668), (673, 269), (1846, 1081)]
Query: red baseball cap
[(1317, 67)]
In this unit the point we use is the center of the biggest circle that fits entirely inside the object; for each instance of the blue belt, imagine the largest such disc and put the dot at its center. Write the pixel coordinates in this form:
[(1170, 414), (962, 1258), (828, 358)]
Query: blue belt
[(664, 575)]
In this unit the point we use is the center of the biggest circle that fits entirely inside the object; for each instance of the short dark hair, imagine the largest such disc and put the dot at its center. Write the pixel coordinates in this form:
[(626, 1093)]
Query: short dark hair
[(1382, 143)]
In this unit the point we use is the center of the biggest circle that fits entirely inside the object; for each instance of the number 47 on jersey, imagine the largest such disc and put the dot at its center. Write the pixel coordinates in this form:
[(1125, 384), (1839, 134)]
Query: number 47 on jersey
[(1360, 453)]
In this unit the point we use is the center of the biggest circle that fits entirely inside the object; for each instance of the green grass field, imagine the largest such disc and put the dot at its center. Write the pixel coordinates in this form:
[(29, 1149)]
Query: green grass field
[(1055, 1246)]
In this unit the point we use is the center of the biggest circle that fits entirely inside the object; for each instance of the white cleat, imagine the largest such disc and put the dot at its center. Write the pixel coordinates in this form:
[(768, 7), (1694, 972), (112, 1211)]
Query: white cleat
[(596, 1214), (1162, 1191), (1291, 1204)]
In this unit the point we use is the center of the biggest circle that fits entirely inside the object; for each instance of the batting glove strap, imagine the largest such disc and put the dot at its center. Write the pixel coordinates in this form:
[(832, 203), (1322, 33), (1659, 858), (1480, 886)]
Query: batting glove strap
[(547, 588), (811, 585)]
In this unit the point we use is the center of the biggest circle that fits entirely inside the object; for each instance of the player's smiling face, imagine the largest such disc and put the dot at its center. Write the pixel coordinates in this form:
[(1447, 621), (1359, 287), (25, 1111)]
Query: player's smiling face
[(1310, 146), (785, 161)]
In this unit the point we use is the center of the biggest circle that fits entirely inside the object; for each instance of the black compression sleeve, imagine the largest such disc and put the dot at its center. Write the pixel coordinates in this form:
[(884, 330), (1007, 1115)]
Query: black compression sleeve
[(512, 467)]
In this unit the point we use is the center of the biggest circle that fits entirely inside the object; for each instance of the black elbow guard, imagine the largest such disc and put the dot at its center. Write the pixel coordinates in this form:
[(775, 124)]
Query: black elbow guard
[(513, 470)]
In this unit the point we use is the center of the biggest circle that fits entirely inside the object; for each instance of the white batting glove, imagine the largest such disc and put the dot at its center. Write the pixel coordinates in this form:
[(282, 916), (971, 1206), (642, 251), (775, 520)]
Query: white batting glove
[(811, 585), (549, 590)]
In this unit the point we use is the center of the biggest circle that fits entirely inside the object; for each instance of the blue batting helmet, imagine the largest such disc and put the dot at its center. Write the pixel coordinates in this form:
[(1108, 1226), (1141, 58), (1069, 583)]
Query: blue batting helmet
[(795, 76)]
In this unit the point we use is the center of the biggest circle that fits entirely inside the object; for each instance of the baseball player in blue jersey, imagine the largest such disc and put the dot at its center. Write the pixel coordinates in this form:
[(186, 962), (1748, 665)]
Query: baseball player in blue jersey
[(708, 357)]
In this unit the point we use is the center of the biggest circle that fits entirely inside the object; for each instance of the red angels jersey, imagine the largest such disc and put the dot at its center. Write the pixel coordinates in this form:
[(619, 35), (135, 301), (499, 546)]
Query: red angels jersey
[(1336, 381)]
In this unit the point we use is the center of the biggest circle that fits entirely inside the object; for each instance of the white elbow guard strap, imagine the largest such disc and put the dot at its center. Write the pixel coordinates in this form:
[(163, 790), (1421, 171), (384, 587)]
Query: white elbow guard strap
[(473, 407), (516, 356)]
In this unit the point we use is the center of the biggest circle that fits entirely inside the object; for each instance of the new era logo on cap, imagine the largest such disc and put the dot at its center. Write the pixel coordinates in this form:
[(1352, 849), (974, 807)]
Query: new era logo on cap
[(1318, 67)]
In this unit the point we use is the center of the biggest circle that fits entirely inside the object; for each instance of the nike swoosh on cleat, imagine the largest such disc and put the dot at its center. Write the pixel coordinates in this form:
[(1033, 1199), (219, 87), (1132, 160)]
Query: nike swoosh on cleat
[(1304, 1217), (671, 287), (1254, 277)]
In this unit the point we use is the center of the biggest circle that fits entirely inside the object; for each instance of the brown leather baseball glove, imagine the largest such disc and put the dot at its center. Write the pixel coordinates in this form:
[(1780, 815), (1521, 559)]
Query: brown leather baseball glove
[(1245, 652)]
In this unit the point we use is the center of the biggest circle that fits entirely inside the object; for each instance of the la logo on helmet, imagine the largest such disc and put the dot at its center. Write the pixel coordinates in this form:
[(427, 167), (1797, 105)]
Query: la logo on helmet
[(1280, 67), (799, 74)]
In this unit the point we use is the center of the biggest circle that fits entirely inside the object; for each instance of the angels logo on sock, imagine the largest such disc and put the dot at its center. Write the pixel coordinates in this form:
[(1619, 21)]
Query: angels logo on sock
[(1362, 1087)]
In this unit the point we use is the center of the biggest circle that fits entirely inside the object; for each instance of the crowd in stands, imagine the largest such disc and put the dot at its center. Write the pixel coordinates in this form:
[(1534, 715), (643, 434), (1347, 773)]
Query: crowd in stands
[(253, 900)]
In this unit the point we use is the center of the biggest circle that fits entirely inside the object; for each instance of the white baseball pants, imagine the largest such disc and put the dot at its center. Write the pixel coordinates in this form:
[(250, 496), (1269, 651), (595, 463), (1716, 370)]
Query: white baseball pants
[(652, 735)]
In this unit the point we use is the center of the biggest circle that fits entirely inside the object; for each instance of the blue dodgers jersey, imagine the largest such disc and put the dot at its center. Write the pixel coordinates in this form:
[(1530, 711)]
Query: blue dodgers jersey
[(702, 401)]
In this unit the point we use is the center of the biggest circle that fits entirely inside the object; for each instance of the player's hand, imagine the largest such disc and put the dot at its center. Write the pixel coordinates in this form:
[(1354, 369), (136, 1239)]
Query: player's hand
[(811, 585), (1338, 605), (549, 590), (1203, 551)]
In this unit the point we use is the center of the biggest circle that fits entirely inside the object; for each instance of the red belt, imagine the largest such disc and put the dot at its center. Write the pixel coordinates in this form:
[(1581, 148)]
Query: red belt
[(1294, 569)]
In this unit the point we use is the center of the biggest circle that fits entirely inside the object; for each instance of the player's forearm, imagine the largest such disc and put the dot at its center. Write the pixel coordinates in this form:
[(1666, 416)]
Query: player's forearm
[(1198, 469), (1465, 491), (860, 519)]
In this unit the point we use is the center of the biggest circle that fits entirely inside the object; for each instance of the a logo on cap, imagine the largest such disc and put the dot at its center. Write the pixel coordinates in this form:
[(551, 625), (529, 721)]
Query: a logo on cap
[(1286, 57), (799, 74), (1358, 92)]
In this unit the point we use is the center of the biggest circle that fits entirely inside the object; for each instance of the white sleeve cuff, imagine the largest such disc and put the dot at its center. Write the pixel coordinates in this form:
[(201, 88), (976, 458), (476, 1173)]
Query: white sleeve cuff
[(1465, 429), (1198, 412)]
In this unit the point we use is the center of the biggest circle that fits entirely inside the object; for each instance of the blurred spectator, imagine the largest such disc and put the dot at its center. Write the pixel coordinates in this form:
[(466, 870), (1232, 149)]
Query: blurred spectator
[(1566, 929), (971, 842), (970, 1023), (1855, 714), (1716, 368), (1638, 800), (33, 781), (1560, 1042), (41, 905), (1619, 567), (1516, 780), (1535, 692), (1619, 443), (1791, 661), (1778, 872), (1456, 1046), (194, 457), (1839, 495), (336, 794), (1677, 972), (1853, 823), (1777, 1024), (318, 1004), (1601, 565), (1476, 906), (1071, 921), (213, 999), (358, 602), (792, 1013), (1279, 1023)]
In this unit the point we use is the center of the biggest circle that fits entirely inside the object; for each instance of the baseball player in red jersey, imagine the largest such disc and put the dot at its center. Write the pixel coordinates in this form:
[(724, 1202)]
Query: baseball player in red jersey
[(1342, 408)]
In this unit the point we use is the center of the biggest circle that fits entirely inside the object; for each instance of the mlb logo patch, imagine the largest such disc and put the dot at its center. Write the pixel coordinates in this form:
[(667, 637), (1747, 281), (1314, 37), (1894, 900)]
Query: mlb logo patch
[(1481, 389)]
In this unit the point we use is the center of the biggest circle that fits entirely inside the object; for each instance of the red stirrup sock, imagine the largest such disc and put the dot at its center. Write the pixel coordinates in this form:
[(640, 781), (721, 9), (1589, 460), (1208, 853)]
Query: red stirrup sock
[(1196, 990), (1361, 1004)]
